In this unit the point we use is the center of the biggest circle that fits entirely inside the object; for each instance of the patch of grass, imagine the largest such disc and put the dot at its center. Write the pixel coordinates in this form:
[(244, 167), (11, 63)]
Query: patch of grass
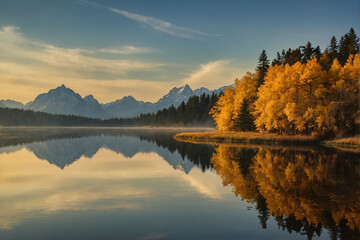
[(248, 137), (353, 142)]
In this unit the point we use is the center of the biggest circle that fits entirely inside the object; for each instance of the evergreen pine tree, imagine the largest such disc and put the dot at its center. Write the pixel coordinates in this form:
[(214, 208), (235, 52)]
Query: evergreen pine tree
[(292, 56), (349, 44), (283, 55), (333, 48), (181, 114), (244, 120), (262, 68), (307, 52), (353, 42), (278, 60), (343, 49), (317, 52)]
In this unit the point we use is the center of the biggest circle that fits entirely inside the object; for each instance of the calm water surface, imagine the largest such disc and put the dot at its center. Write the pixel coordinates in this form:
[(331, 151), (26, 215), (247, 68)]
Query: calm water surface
[(143, 184)]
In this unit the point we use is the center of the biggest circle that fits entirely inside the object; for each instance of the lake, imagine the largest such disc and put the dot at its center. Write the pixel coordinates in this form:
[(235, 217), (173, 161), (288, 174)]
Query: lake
[(78, 183)]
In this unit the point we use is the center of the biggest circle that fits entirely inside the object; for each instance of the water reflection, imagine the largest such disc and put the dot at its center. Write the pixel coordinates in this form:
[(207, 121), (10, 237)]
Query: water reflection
[(312, 193), (304, 189), (65, 147), (119, 171)]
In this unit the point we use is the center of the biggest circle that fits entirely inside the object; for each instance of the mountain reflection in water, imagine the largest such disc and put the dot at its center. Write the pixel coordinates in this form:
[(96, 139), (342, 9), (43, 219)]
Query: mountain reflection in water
[(310, 192)]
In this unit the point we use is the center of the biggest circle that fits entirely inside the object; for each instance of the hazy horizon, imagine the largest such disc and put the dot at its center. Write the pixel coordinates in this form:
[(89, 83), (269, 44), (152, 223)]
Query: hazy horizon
[(114, 99)]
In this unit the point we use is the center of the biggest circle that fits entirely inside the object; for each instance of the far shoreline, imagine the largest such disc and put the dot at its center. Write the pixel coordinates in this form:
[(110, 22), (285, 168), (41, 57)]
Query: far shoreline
[(197, 128)]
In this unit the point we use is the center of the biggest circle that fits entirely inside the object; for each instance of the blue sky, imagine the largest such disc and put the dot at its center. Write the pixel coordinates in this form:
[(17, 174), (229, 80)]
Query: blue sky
[(143, 48)]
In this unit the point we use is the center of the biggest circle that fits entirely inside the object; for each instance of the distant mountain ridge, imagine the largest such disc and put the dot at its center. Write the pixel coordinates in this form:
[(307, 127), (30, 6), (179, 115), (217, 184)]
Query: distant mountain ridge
[(63, 100), (11, 104)]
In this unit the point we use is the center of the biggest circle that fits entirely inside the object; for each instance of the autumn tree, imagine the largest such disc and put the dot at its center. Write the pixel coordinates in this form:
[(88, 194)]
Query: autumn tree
[(223, 111), (227, 109), (281, 87), (287, 98)]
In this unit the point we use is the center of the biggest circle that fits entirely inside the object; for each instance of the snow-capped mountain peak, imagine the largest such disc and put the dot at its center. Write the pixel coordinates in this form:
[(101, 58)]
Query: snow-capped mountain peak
[(63, 100)]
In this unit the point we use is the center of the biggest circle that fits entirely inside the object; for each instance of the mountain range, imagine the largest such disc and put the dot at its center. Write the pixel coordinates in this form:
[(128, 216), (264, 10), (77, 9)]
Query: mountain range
[(63, 100)]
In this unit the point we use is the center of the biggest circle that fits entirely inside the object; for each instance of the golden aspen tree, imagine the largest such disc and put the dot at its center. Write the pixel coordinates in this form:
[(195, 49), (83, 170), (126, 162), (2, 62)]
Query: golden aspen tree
[(274, 96), (245, 88), (349, 116), (311, 78), (294, 108), (223, 110), (325, 60), (338, 112), (329, 101)]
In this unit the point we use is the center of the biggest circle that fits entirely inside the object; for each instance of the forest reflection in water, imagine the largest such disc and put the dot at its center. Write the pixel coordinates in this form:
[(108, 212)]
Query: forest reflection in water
[(304, 190)]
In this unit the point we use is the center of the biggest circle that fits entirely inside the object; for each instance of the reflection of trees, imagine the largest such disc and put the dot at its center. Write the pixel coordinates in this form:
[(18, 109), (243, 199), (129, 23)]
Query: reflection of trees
[(233, 165), (199, 154), (305, 190)]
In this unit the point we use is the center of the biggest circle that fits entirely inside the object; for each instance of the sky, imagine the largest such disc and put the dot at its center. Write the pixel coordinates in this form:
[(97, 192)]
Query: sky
[(143, 48)]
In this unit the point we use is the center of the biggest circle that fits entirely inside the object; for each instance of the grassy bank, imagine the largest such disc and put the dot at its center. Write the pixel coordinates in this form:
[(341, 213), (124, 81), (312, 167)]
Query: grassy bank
[(350, 142), (248, 137)]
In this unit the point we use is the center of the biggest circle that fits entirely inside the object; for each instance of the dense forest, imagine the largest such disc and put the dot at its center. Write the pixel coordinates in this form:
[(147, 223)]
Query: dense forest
[(21, 117), (303, 91), (194, 112)]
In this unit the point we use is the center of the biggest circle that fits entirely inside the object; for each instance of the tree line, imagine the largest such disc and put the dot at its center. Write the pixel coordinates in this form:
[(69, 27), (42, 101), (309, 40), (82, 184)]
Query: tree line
[(21, 117), (194, 112), (303, 91)]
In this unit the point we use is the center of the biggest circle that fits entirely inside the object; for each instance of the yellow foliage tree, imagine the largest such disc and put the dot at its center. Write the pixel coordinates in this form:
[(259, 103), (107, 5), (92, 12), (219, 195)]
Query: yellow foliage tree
[(338, 109), (245, 88), (280, 106), (228, 106), (223, 110)]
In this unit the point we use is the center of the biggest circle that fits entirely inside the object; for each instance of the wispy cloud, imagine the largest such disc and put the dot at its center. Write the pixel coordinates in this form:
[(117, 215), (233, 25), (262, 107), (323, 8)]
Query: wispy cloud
[(214, 74), (155, 23), (124, 50), (40, 66), (13, 45)]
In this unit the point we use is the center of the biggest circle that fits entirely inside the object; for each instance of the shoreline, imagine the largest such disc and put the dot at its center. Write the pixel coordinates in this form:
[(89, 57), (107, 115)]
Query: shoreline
[(111, 127), (265, 138)]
